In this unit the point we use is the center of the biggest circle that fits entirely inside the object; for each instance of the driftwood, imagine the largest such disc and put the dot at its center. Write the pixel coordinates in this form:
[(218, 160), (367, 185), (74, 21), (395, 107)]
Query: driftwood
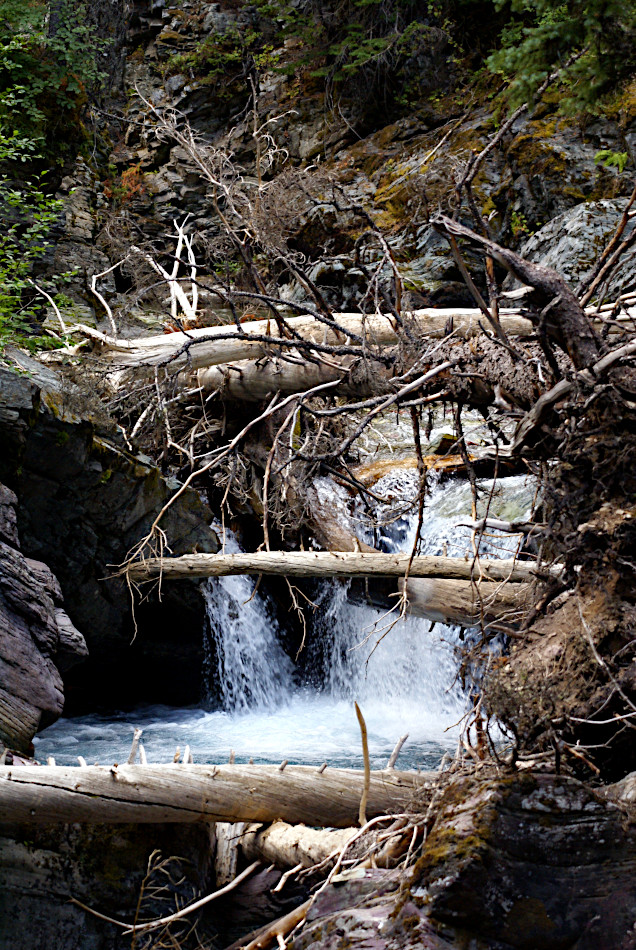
[(332, 564), (465, 603), (188, 793), (212, 346), (288, 846), (257, 380)]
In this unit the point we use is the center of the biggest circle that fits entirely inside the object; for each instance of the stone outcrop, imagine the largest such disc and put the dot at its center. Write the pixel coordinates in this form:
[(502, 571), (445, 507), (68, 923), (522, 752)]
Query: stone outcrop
[(103, 867), (84, 500), (544, 168), (571, 242), (510, 863), (37, 638)]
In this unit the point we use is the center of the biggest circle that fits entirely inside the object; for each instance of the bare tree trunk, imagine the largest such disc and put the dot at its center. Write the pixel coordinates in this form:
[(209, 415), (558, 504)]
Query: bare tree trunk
[(331, 564), (467, 603), (212, 346), (186, 793), (257, 380), (287, 845)]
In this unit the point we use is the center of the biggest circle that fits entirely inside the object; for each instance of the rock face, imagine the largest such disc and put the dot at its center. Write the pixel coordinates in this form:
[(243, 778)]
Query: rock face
[(103, 867), (512, 863), (571, 242), (37, 638), (83, 502)]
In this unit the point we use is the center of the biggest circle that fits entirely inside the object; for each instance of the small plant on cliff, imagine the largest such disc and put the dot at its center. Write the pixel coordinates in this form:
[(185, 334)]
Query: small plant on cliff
[(609, 159)]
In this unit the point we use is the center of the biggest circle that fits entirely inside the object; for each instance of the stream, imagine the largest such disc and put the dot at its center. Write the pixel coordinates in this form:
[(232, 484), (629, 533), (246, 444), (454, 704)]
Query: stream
[(404, 678)]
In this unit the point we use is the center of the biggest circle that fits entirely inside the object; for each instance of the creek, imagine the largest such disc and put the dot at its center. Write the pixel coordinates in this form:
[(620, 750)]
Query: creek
[(270, 707)]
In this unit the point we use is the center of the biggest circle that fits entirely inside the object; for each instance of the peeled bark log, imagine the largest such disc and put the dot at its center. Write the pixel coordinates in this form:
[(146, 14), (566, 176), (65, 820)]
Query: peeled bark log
[(330, 519), (210, 346), (466, 603), (287, 845), (332, 564), (257, 380), (187, 793)]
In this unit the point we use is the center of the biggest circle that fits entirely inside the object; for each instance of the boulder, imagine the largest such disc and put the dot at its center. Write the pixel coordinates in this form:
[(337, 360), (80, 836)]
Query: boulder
[(104, 867), (571, 242)]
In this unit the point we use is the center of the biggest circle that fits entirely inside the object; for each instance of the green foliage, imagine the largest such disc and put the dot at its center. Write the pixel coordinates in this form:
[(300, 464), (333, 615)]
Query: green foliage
[(222, 59), (543, 35), (43, 78), (43, 85), (366, 50), (29, 215), (609, 159)]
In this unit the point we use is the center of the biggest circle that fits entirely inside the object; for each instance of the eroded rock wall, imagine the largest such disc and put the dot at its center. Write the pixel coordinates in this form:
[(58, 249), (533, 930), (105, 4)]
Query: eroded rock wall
[(84, 500), (37, 638)]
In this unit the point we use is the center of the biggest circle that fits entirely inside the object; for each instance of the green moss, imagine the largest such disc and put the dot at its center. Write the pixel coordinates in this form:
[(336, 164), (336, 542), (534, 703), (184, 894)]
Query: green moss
[(535, 151)]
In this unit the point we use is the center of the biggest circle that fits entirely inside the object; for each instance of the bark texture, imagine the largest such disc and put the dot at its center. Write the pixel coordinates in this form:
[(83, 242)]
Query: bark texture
[(186, 793), (331, 564)]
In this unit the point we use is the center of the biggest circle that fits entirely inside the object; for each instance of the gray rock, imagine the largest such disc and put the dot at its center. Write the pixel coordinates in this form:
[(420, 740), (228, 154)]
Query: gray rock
[(35, 635), (572, 241), (102, 866), (84, 502), (8, 517)]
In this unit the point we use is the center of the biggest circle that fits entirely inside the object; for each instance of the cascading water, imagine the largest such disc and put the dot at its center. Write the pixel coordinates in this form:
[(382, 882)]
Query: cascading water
[(244, 658), (404, 677)]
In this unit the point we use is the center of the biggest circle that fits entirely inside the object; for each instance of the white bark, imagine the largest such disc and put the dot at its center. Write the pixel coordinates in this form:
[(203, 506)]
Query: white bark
[(206, 349), (288, 846), (464, 602)]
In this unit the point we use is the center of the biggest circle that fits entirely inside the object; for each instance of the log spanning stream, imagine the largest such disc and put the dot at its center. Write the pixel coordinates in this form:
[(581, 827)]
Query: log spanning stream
[(264, 705)]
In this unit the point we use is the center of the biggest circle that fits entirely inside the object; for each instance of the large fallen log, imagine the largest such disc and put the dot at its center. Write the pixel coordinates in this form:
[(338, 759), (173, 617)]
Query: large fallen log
[(333, 564), (465, 602), (257, 380), (212, 346), (190, 793)]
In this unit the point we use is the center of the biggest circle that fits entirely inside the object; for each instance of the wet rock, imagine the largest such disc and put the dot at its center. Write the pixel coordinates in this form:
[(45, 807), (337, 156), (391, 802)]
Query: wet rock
[(103, 866), (529, 861), (37, 638)]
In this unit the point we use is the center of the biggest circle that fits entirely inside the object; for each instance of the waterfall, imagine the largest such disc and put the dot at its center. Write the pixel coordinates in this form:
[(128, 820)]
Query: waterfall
[(404, 677), (244, 660)]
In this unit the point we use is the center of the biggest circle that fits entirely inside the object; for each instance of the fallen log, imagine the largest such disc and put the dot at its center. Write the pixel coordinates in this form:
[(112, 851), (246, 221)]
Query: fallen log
[(190, 793), (257, 380), (465, 602), (333, 564), (288, 846), (212, 346)]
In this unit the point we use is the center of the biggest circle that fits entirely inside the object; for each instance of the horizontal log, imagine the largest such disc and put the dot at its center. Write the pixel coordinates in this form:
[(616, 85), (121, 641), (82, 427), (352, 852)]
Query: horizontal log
[(257, 380), (464, 602), (207, 347), (331, 564), (190, 793), (287, 845)]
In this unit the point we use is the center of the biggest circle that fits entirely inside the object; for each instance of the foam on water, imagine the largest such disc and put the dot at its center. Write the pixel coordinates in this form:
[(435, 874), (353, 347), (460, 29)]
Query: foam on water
[(404, 676)]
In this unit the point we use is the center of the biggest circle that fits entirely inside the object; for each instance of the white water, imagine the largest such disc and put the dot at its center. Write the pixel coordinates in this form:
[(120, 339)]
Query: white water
[(406, 684)]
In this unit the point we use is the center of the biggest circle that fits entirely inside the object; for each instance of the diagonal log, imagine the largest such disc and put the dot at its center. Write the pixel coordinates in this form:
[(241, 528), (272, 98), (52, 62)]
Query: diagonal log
[(332, 564), (189, 793), (564, 318)]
